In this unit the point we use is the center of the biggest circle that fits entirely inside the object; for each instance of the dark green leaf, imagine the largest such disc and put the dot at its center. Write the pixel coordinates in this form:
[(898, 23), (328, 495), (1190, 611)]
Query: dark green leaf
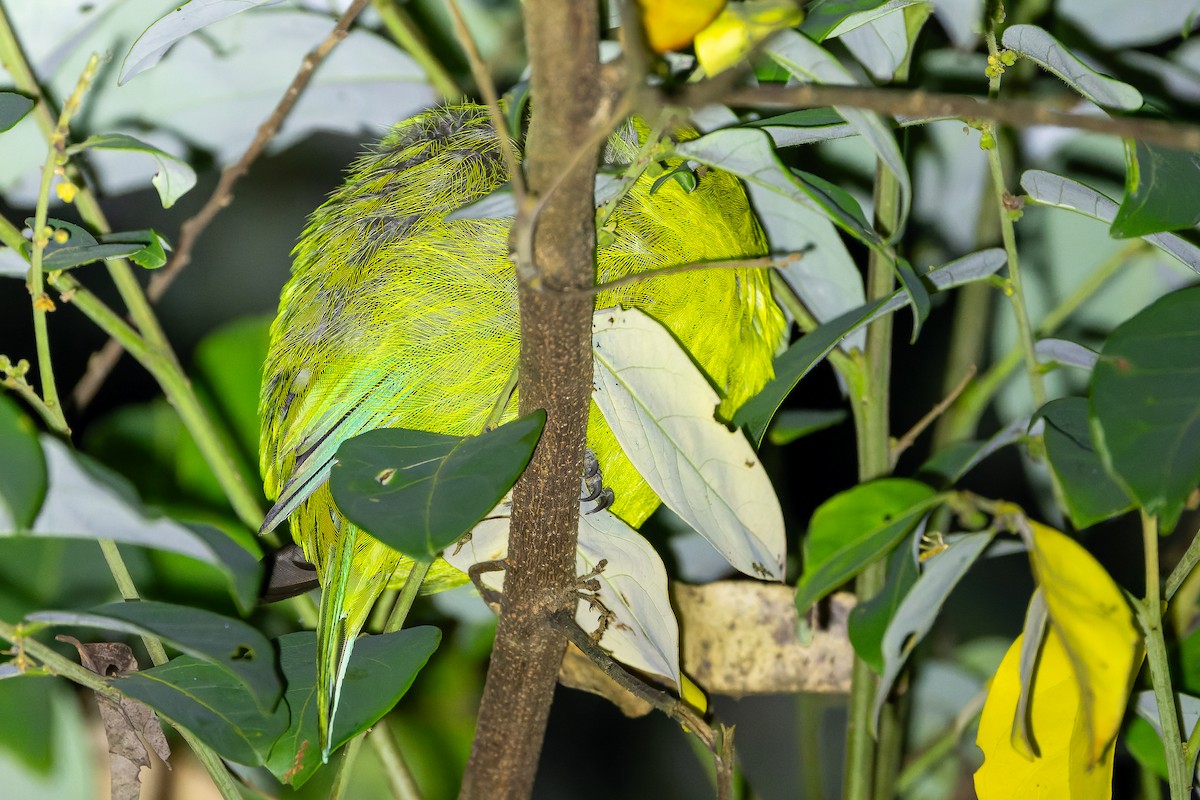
[(22, 467), (918, 295), (153, 253), (211, 703), (1090, 492), (803, 355), (951, 463), (1146, 403), (145, 247), (796, 362), (854, 528), (13, 108), (821, 17), (1162, 191), (381, 670), (418, 492), (869, 619), (1146, 746), (793, 424), (804, 118), (228, 643), (839, 205)]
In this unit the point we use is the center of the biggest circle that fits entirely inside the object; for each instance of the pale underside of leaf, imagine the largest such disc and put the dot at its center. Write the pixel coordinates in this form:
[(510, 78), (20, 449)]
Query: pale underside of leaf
[(661, 409)]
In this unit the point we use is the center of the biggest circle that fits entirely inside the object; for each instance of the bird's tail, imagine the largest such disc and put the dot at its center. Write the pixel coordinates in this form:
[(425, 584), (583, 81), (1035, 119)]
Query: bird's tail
[(349, 590)]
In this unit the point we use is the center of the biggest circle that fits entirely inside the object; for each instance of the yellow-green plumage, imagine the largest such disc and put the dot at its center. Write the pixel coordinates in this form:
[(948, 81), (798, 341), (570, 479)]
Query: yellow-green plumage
[(395, 316)]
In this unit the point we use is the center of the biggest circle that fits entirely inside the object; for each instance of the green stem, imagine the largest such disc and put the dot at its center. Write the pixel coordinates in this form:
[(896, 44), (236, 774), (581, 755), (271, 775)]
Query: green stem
[(10, 235), (1015, 291), (385, 746), (871, 417), (975, 399), (56, 161), (408, 594), (58, 664), (178, 391), (345, 771), (1184, 568), (400, 25), (933, 756), (213, 765), (129, 593), (404, 786), (1150, 616)]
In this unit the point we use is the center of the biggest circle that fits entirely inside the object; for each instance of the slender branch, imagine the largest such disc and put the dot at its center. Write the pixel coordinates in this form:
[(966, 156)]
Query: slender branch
[(634, 169), (404, 786), (56, 663), (1013, 289), (665, 702), (400, 25), (56, 161), (906, 441), (177, 389), (483, 81), (764, 262), (975, 399), (920, 104), (102, 363), (1149, 614), (345, 770), (1183, 569), (129, 593), (871, 417)]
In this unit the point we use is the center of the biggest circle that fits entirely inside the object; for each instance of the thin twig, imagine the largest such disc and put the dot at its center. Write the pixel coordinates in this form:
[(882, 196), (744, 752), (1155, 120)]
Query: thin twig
[(102, 362), (763, 262), (926, 105), (56, 161), (483, 81), (667, 703), (906, 441), (400, 25), (725, 763)]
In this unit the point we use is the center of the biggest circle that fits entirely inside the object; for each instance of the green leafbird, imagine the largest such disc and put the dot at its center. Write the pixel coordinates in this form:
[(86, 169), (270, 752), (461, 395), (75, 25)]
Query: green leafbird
[(396, 316)]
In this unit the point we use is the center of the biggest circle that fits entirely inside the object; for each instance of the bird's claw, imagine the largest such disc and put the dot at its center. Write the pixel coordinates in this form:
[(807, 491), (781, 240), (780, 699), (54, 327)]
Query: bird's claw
[(587, 589), (593, 483)]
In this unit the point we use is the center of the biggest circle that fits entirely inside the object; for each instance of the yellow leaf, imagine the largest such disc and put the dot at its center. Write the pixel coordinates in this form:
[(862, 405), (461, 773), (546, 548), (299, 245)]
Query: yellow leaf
[(740, 28), (1090, 615), (672, 24), (1065, 769)]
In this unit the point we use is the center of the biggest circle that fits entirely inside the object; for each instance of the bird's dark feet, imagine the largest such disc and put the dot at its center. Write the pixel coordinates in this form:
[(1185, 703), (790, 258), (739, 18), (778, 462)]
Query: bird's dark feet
[(593, 483), (587, 589)]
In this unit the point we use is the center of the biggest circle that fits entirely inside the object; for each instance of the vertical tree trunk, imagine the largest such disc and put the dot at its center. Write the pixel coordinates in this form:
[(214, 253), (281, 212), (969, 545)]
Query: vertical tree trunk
[(556, 375)]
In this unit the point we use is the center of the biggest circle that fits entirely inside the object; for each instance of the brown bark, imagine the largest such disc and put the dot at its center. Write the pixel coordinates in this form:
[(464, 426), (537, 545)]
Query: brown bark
[(556, 375)]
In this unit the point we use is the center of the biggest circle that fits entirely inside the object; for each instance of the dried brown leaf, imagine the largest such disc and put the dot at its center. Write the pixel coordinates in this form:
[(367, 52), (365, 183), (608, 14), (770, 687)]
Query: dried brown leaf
[(132, 727)]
